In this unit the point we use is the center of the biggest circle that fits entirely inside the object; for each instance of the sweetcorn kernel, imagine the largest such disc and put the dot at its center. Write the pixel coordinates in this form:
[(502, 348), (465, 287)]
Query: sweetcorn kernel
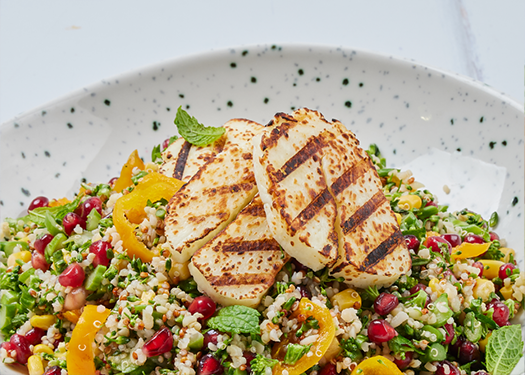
[(483, 289), (24, 256), (35, 366), (42, 321), (42, 348), (347, 298)]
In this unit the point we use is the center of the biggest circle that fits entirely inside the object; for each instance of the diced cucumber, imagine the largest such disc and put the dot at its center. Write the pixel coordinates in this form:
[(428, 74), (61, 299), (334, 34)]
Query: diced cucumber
[(8, 297), (7, 313), (196, 341), (431, 334), (9, 246), (51, 224), (435, 352), (55, 244), (93, 281), (436, 308), (26, 275), (93, 219)]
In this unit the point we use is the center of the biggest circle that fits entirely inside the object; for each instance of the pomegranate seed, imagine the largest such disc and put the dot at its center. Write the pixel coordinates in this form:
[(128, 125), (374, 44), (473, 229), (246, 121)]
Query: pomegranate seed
[(403, 363), (112, 181), (8, 346), (449, 336), (481, 373), (299, 266), (34, 335), (329, 369), (22, 347), (473, 238), (380, 330), (160, 343), (503, 273), (412, 242), (453, 349), (480, 267), (165, 144), (73, 276), (468, 352), (42, 242), (305, 293), (446, 368), (452, 238), (70, 221), (203, 305), (501, 312), (249, 356), (431, 203), (100, 249), (434, 241), (55, 370), (493, 236), (85, 208), (385, 303), (38, 261), (210, 336), (38, 202), (209, 365)]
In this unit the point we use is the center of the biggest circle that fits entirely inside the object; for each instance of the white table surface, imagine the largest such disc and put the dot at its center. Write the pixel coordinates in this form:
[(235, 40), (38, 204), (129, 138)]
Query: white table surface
[(50, 48)]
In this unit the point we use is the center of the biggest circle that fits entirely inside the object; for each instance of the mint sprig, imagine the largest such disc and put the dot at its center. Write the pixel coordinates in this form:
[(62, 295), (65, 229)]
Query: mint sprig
[(236, 319), (194, 132), (504, 350)]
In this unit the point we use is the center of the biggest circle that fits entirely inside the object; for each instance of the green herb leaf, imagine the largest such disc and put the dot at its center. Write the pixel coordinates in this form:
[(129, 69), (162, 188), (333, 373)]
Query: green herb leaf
[(260, 363), (194, 132), (236, 319), (504, 350), (295, 352)]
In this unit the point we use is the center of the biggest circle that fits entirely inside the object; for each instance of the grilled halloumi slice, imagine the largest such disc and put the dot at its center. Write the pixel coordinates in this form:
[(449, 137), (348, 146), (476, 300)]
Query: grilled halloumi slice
[(240, 264), (182, 160), (372, 250), (214, 195), (321, 189), (300, 210)]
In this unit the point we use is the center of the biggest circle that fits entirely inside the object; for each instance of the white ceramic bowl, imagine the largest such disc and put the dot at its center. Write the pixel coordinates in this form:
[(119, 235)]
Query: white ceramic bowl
[(469, 135)]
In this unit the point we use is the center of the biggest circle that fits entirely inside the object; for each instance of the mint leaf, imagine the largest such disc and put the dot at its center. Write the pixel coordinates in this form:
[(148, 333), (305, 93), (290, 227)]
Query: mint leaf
[(236, 319), (504, 350), (194, 132)]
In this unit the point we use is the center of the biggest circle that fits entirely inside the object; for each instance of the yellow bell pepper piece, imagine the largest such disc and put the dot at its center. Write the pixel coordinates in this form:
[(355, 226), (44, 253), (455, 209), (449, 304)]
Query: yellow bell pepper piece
[(127, 171), (483, 343), (491, 268), (153, 187), (347, 298), (506, 291), (58, 202), (398, 218), (377, 365), (326, 331), (469, 250), (409, 201), (80, 354)]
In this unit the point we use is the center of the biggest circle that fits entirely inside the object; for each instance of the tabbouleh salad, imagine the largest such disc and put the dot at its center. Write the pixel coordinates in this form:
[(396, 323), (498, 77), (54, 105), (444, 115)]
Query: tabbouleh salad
[(76, 300)]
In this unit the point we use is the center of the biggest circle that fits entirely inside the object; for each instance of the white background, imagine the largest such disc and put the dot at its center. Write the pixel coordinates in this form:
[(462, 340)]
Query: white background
[(50, 48)]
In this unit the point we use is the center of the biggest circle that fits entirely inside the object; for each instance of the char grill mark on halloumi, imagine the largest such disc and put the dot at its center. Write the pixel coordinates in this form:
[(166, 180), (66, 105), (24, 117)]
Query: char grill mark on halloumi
[(182, 160), (240, 264), (372, 248), (214, 195)]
